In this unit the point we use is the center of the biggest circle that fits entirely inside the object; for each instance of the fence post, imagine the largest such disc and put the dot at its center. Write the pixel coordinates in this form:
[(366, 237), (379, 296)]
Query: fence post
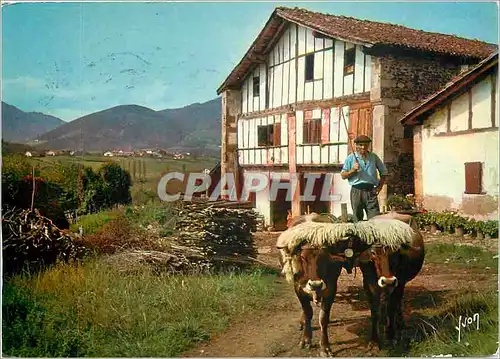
[(343, 215)]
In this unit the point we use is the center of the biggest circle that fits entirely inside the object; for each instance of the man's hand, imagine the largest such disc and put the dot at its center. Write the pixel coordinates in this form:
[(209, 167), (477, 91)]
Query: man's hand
[(355, 167)]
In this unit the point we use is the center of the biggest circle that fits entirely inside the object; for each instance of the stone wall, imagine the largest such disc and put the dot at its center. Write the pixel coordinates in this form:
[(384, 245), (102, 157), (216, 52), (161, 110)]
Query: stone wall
[(231, 107), (399, 83)]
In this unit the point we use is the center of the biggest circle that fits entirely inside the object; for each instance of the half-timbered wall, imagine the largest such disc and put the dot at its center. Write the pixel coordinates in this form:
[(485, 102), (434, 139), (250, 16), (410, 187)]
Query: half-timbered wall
[(250, 152), (331, 148), (302, 67)]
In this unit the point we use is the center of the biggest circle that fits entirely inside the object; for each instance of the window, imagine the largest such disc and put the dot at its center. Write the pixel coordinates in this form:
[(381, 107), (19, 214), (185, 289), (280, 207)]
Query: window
[(473, 177), (309, 76), (269, 135), (349, 59), (312, 131), (256, 86)]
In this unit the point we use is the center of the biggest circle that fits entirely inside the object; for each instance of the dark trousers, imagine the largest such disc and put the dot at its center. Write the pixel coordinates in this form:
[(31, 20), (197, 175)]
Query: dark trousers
[(364, 199)]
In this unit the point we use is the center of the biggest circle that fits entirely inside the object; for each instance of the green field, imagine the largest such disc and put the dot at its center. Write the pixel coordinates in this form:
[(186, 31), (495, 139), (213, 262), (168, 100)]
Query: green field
[(154, 168)]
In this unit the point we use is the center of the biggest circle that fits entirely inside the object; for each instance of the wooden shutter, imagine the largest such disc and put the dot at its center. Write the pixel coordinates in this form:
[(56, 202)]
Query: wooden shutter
[(353, 127), (473, 177), (305, 132), (365, 122), (277, 134)]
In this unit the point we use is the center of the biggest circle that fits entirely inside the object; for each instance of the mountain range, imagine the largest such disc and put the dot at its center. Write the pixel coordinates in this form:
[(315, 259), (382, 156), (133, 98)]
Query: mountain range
[(195, 128), (19, 126)]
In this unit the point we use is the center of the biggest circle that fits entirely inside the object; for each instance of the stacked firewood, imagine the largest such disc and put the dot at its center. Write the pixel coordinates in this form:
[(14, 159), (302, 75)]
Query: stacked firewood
[(217, 234), (30, 240)]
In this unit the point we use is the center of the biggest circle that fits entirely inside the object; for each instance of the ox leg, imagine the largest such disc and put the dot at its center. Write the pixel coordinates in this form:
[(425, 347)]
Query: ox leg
[(396, 321), (380, 321), (324, 319), (307, 313)]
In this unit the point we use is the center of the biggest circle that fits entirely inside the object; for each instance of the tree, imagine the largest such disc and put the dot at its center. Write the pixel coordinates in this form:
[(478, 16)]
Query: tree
[(117, 184)]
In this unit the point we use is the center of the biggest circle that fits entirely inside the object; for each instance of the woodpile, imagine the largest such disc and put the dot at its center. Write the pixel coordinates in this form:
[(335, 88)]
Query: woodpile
[(30, 239), (206, 238), (215, 236)]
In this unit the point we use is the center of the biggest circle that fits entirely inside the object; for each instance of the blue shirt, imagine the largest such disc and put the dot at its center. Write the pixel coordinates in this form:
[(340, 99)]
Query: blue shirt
[(367, 172)]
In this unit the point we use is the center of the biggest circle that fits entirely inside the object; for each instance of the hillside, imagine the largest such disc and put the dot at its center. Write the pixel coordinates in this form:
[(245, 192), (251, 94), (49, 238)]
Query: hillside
[(194, 128), (20, 126)]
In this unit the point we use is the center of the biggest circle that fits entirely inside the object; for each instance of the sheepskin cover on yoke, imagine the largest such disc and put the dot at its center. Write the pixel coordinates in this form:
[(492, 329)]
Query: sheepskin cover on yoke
[(387, 232)]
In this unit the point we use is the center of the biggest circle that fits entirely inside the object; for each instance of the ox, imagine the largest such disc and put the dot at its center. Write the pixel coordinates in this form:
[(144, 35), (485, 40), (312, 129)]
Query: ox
[(313, 253), (385, 274)]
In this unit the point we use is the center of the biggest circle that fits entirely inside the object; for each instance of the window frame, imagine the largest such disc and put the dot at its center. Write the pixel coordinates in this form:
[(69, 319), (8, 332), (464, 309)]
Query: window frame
[(349, 66)]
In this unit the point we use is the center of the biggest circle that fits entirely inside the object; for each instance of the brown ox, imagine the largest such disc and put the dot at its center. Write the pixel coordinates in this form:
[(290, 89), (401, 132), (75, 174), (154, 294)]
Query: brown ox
[(385, 274), (313, 255)]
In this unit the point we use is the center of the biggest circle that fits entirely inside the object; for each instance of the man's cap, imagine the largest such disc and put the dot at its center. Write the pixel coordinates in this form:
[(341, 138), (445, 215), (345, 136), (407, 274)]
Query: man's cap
[(362, 139)]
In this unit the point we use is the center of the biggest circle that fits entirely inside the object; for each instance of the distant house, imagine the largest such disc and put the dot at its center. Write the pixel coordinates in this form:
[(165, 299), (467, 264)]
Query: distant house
[(50, 153), (178, 156), (108, 154), (455, 143), (28, 154)]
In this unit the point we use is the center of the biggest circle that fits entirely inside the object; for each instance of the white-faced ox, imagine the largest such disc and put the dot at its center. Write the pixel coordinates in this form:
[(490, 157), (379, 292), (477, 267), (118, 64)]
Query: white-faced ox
[(385, 273), (314, 269)]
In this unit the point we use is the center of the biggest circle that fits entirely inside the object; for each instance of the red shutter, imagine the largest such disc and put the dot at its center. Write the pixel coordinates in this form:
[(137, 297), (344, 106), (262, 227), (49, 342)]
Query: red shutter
[(353, 127), (305, 132), (277, 134), (473, 177)]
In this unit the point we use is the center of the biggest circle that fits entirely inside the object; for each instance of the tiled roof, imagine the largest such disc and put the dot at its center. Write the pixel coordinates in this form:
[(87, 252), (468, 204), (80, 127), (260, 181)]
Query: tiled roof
[(378, 33), (368, 33), (451, 88)]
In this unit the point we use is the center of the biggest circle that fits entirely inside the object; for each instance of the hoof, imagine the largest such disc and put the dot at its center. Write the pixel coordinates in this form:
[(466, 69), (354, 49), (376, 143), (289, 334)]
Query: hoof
[(372, 346), (304, 344), (326, 353)]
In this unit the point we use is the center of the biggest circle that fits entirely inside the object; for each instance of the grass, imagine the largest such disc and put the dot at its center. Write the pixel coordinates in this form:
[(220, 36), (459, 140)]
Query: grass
[(432, 330), (466, 257), (91, 223), (93, 310), (437, 334)]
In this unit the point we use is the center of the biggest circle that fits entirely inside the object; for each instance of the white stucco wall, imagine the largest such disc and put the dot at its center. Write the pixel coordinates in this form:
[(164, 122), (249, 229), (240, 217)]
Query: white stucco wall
[(443, 157)]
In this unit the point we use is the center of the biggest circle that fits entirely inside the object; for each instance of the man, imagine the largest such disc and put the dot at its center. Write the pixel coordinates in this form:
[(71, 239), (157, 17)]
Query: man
[(361, 168)]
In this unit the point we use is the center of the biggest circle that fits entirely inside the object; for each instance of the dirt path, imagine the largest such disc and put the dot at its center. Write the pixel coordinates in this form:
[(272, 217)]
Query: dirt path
[(273, 331)]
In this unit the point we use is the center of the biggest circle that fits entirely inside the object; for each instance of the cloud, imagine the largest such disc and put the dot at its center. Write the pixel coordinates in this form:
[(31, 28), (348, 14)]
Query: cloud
[(29, 83)]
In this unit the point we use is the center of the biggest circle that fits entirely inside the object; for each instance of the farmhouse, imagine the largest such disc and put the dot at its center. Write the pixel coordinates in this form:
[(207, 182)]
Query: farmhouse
[(456, 131), (311, 81)]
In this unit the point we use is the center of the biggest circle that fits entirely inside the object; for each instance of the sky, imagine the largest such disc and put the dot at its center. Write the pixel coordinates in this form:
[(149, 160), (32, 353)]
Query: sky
[(69, 59)]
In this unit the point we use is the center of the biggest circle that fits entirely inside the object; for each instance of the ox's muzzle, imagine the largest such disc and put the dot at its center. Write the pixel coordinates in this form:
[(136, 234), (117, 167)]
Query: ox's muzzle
[(315, 289), (391, 282)]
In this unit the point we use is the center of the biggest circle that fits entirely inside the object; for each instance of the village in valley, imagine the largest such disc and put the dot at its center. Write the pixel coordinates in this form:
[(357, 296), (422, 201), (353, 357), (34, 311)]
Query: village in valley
[(333, 200)]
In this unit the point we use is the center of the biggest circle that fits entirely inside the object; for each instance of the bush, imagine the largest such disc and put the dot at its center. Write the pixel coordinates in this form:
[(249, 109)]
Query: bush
[(401, 203)]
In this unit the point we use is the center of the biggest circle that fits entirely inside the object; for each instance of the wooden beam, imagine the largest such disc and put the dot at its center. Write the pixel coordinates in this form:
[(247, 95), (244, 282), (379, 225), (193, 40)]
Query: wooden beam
[(493, 98), (318, 35), (469, 93)]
